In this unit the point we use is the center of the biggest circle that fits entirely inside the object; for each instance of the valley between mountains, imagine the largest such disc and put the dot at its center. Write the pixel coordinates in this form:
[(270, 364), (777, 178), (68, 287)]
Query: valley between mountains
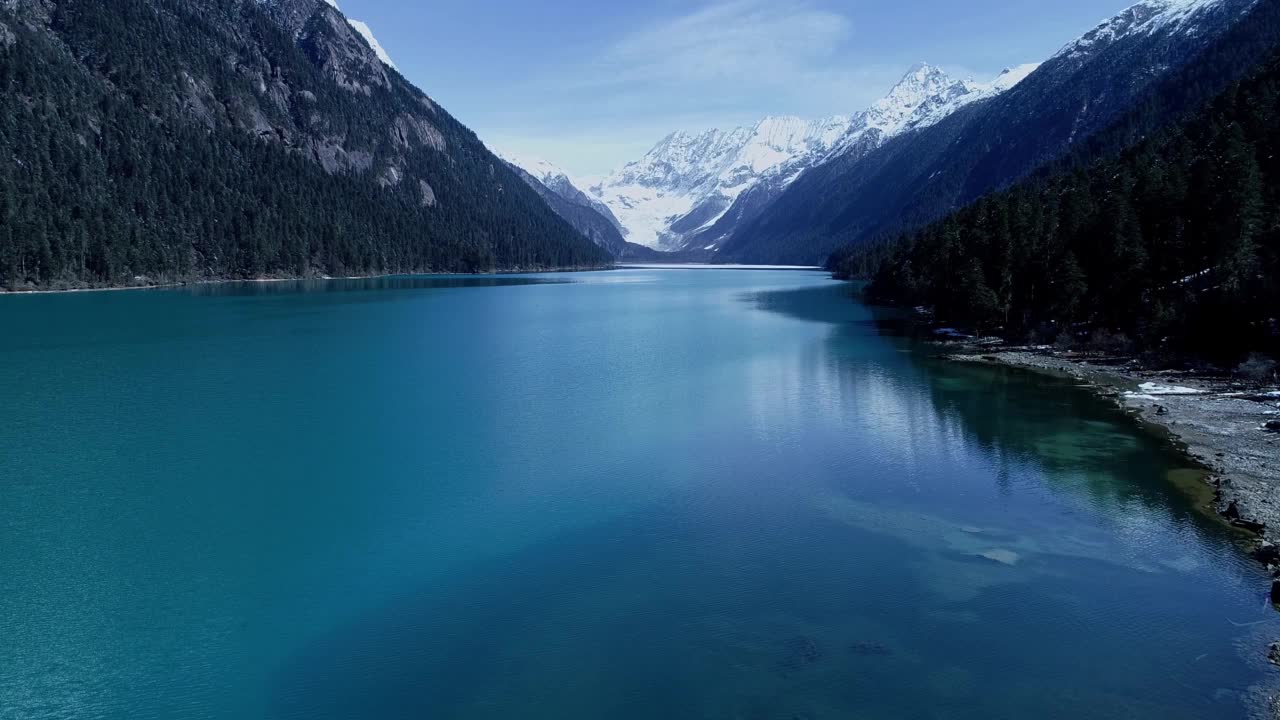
[(921, 409), (787, 190)]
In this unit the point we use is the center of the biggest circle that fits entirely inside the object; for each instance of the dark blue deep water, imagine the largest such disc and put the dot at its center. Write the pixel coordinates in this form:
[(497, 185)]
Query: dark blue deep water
[(634, 494)]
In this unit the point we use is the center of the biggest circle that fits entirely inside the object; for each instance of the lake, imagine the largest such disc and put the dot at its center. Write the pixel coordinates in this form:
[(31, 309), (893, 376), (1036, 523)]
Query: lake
[(634, 494)]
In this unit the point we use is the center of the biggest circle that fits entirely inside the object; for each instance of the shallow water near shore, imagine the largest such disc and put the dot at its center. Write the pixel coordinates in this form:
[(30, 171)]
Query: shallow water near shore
[(632, 494)]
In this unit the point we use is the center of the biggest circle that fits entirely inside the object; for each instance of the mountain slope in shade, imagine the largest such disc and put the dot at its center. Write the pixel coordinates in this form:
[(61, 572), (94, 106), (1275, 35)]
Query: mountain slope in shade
[(580, 214), (586, 214), (195, 139), (557, 180), (920, 175), (690, 191), (1174, 242)]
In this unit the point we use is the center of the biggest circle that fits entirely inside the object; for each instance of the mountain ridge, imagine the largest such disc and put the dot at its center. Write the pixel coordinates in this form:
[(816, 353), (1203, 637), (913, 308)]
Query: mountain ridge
[(296, 149), (686, 189), (918, 176), (1171, 242)]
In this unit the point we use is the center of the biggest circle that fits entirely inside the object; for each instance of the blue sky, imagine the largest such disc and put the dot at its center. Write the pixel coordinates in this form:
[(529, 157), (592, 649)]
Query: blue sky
[(589, 84)]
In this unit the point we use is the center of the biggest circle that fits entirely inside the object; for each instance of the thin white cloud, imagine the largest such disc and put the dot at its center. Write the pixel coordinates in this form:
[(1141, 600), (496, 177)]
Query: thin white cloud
[(751, 41), (718, 64)]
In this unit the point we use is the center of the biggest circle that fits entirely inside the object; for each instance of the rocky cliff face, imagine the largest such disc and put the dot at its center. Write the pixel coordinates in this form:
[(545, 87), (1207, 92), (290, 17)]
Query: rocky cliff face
[(343, 106)]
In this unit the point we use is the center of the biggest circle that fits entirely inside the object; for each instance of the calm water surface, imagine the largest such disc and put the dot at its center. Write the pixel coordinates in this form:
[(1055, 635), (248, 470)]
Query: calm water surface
[(636, 494)]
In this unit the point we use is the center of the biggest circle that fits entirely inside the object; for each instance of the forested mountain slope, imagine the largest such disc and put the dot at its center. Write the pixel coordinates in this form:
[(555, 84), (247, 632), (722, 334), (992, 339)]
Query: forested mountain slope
[(197, 139), (1149, 56), (1174, 243)]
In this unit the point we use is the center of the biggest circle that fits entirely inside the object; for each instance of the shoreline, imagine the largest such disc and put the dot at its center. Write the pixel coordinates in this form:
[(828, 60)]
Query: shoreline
[(301, 278), (294, 278), (709, 266), (1217, 425), (1214, 423)]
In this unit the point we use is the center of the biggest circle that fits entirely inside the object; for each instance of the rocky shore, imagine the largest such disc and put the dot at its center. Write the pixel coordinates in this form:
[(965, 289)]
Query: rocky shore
[(1230, 428)]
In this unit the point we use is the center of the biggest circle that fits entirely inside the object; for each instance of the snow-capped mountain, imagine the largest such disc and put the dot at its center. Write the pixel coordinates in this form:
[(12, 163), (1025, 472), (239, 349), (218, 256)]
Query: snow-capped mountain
[(756, 194), (685, 193), (1129, 60)]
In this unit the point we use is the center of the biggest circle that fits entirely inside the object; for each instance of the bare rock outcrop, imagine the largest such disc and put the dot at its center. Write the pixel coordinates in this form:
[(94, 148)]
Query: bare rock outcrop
[(410, 131)]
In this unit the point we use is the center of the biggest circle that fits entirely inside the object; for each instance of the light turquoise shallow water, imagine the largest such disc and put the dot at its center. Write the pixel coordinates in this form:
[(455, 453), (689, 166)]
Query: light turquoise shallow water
[(636, 494)]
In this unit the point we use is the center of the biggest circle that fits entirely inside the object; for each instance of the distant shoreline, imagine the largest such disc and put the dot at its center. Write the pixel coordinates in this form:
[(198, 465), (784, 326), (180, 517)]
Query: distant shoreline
[(709, 266), (302, 278), (296, 278)]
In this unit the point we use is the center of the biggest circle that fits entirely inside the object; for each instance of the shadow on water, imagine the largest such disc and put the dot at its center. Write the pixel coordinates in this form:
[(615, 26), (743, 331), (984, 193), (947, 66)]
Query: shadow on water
[(605, 621), (666, 611), (85, 319), (1083, 444), (594, 622)]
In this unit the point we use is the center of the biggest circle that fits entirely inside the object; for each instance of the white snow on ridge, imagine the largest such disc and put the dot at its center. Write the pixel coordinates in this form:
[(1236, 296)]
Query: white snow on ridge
[(545, 172), (558, 181), (367, 33), (381, 52), (974, 92), (1007, 79), (542, 169), (1175, 12), (1145, 17)]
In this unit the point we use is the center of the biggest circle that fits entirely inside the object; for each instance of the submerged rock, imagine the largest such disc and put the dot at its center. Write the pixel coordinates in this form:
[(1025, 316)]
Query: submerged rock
[(799, 653), (869, 649)]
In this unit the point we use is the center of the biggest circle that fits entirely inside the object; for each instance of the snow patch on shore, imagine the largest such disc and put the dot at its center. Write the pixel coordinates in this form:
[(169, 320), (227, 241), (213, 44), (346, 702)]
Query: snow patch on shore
[(1157, 389)]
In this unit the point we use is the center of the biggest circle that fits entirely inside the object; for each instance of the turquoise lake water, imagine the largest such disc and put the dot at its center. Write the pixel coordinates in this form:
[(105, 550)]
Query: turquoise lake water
[(632, 494)]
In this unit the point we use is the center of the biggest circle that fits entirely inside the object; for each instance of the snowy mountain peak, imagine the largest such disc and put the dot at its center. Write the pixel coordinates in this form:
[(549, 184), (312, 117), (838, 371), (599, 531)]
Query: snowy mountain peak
[(922, 72), (923, 85)]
